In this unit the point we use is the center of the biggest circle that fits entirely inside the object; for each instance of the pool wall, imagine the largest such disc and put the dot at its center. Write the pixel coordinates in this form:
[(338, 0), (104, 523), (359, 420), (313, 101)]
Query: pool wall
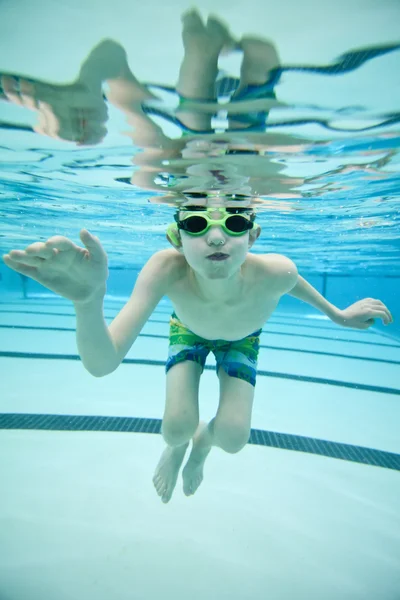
[(341, 290)]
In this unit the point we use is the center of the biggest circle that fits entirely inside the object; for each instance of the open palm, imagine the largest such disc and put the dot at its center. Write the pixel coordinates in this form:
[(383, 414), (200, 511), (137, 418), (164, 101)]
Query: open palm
[(75, 273)]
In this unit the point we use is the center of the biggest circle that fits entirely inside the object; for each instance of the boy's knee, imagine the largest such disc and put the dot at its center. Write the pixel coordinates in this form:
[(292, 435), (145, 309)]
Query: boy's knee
[(231, 437), (177, 430)]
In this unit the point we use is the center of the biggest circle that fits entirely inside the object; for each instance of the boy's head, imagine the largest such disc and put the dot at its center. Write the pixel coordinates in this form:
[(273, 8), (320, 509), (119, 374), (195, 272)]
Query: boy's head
[(200, 232)]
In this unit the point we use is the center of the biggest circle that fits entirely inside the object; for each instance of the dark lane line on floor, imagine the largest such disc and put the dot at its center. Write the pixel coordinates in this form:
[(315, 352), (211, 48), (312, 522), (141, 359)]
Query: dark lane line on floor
[(259, 437)]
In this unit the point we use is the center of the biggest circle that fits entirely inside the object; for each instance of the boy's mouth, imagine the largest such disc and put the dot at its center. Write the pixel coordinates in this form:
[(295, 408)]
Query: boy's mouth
[(218, 256)]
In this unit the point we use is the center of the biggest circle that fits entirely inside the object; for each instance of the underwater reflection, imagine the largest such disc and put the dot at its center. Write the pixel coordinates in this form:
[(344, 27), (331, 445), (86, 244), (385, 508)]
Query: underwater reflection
[(227, 144)]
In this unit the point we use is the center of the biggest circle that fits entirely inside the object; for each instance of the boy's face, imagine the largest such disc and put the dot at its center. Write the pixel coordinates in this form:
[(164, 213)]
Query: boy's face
[(197, 249)]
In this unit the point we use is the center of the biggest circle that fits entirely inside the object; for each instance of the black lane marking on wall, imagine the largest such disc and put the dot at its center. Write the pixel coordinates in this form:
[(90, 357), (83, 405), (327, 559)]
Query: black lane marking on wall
[(281, 348), (278, 318), (266, 331), (260, 373), (275, 319), (258, 437)]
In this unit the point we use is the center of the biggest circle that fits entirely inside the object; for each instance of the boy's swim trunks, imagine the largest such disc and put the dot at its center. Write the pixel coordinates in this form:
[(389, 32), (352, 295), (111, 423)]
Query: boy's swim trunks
[(238, 358)]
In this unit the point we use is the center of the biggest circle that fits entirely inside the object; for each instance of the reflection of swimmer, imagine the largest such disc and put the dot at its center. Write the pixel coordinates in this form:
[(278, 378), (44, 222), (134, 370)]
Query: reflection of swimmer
[(198, 83), (77, 112), (222, 296), (260, 73), (74, 112), (70, 112)]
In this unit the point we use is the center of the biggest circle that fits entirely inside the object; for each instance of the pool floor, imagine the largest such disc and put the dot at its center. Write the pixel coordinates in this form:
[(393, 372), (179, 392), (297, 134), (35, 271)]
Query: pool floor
[(307, 510)]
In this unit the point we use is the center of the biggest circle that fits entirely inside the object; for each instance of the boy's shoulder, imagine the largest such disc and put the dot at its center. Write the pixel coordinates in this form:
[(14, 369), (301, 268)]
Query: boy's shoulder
[(169, 263), (170, 256), (280, 271), (276, 263)]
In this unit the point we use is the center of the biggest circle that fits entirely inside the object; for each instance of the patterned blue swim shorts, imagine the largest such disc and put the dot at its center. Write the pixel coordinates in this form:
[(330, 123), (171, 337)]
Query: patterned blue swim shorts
[(238, 358)]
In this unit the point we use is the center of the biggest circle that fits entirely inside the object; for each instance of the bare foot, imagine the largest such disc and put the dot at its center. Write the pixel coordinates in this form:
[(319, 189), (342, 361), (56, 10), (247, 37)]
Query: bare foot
[(220, 33), (167, 470), (260, 53), (259, 58), (192, 473), (211, 38)]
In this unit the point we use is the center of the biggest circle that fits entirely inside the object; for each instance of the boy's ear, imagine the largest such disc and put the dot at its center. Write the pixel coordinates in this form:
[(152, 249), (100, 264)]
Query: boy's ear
[(174, 238)]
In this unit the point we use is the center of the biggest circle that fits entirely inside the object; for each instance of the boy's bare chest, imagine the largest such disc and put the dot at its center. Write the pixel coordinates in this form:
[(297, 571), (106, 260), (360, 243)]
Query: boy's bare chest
[(231, 320)]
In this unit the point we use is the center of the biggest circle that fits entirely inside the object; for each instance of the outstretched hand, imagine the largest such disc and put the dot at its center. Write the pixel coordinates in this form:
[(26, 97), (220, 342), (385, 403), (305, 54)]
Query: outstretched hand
[(78, 274), (362, 314)]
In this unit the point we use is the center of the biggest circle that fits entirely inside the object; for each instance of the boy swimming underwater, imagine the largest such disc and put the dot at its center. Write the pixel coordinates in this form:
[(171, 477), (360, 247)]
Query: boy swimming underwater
[(221, 294)]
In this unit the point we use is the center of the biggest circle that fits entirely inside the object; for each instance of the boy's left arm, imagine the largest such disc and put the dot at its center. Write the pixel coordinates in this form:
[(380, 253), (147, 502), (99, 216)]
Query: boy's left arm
[(359, 315)]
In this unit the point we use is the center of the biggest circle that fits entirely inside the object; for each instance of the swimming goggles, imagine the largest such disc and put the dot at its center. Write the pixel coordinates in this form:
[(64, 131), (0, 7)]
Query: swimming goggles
[(233, 221)]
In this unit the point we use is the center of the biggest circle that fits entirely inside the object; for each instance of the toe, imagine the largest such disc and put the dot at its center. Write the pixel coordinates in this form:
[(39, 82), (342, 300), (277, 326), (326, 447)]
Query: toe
[(166, 497)]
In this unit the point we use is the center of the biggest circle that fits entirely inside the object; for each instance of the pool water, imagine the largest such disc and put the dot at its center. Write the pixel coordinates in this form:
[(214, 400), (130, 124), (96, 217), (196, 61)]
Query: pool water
[(95, 135)]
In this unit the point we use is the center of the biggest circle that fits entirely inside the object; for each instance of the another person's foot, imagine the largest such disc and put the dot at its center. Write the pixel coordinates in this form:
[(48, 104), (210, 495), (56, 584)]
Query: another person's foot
[(261, 53), (192, 473), (221, 36), (260, 57), (167, 470), (211, 38)]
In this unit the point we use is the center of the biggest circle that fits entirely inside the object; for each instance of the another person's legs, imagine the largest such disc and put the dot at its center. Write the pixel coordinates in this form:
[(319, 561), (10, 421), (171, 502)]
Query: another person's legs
[(199, 69), (260, 57)]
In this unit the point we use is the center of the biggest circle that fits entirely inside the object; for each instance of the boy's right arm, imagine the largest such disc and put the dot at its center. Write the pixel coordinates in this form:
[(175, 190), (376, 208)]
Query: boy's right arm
[(103, 348), (80, 274)]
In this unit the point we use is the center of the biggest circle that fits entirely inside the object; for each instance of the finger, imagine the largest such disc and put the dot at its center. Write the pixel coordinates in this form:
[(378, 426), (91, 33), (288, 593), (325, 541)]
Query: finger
[(41, 126), (20, 256), (388, 314), (61, 243), (376, 302), (20, 268), (27, 91), (380, 314), (52, 124), (92, 243), (10, 89), (40, 250), (380, 304), (389, 318)]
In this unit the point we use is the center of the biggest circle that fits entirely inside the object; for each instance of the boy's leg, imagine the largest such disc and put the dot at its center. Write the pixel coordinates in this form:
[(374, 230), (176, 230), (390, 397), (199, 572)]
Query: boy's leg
[(180, 421), (229, 429)]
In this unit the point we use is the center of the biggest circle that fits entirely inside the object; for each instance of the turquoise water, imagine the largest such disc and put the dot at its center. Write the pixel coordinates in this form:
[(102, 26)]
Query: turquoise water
[(328, 172), (93, 136), (342, 222)]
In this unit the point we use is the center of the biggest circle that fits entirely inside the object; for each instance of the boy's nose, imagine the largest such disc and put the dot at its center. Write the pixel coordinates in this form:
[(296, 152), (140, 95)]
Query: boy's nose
[(215, 235)]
